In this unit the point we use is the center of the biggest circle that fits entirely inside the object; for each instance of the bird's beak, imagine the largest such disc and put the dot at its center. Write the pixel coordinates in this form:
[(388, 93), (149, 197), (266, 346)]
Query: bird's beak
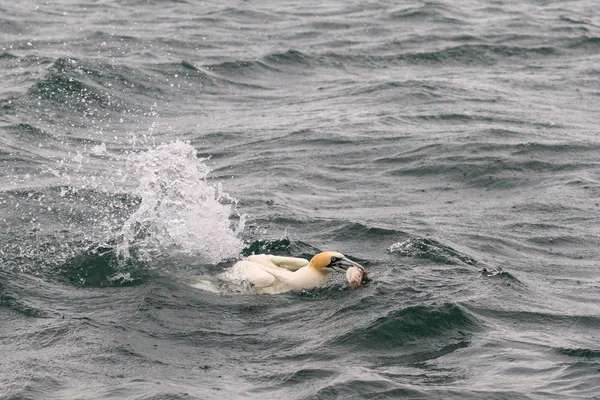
[(343, 264)]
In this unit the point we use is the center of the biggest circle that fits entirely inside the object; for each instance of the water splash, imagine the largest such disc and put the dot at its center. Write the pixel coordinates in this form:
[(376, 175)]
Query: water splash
[(180, 209)]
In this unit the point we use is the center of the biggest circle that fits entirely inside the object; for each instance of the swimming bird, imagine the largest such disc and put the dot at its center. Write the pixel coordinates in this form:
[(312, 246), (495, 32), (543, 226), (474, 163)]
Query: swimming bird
[(269, 274)]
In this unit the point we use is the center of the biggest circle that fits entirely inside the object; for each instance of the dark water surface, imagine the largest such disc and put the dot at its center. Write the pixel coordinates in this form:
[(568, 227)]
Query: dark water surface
[(452, 147)]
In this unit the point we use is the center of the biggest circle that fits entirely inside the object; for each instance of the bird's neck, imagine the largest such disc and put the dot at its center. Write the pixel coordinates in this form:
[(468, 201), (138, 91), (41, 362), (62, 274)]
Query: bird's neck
[(317, 270), (309, 277)]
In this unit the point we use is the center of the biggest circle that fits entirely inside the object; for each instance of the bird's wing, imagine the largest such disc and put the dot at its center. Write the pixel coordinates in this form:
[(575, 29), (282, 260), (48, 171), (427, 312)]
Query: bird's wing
[(252, 272), (289, 263), (268, 260)]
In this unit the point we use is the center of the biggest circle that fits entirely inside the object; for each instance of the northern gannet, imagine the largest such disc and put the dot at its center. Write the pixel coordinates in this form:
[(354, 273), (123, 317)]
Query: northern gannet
[(269, 274)]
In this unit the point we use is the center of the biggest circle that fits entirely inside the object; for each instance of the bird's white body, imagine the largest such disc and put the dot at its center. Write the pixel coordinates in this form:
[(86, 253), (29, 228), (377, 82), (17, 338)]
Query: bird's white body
[(268, 274)]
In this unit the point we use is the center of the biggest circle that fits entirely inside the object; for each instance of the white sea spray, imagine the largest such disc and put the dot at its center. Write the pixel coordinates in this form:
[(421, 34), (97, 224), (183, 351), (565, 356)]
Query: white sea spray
[(180, 209)]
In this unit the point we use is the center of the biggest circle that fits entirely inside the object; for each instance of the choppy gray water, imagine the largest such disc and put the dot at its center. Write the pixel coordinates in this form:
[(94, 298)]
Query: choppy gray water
[(451, 147)]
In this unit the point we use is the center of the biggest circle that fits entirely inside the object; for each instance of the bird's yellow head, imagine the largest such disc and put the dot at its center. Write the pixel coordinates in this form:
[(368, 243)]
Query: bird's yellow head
[(328, 261)]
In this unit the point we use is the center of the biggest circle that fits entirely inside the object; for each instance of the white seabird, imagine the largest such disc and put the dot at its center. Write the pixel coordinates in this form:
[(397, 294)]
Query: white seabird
[(269, 274)]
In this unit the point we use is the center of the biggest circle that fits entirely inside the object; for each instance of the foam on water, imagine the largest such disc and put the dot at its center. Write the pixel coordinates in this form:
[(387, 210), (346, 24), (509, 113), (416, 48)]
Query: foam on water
[(180, 209)]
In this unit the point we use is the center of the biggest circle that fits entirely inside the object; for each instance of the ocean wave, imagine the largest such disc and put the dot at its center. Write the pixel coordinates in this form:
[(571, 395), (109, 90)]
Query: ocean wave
[(490, 165), (411, 324), (428, 11), (241, 68), (587, 43), (78, 86), (535, 317), (30, 132), (15, 304), (284, 247), (100, 267), (69, 91), (461, 54), (432, 250), (7, 56), (355, 388), (579, 352)]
